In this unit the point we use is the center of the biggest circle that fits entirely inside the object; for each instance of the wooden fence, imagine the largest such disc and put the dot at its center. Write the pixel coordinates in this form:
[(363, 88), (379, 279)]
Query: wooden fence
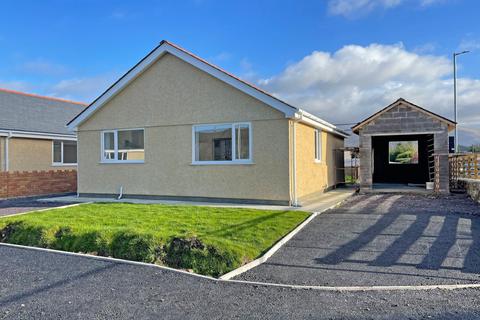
[(463, 166)]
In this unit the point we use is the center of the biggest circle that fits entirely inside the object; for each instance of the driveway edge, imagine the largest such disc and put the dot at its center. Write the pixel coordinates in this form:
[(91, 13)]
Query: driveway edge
[(45, 209), (280, 243)]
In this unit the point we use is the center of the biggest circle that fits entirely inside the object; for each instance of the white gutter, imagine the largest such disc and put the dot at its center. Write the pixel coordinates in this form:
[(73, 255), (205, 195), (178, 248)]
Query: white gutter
[(315, 121), (37, 135)]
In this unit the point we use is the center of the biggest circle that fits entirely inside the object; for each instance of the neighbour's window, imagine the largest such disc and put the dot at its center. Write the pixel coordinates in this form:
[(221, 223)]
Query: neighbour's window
[(64, 152), (318, 145), (222, 143), (123, 145)]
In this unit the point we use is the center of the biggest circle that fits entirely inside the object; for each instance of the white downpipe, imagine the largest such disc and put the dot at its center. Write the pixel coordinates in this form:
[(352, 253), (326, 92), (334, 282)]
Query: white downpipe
[(121, 193), (6, 151), (78, 169), (294, 165)]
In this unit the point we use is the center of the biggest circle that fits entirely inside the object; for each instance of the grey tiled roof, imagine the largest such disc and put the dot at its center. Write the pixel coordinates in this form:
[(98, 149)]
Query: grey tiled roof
[(27, 112)]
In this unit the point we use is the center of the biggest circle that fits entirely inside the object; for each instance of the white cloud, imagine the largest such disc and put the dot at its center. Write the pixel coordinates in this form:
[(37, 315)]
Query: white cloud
[(355, 81), (247, 71), (118, 14), (426, 3), (43, 67), (83, 89), (221, 57), (16, 85), (351, 7), (355, 8), (469, 44)]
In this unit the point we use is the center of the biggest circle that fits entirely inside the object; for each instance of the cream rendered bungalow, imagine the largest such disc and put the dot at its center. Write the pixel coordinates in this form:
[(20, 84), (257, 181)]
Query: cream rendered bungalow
[(177, 127)]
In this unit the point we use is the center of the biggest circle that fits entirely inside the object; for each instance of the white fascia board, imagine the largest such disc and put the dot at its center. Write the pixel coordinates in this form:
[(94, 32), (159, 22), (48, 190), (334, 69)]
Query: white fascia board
[(289, 111), (318, 123), (37, 135)]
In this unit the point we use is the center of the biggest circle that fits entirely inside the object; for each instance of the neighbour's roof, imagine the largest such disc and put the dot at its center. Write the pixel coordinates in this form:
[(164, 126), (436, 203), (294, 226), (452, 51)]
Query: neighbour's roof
[(20, 111), (248, 88), (451, 124)]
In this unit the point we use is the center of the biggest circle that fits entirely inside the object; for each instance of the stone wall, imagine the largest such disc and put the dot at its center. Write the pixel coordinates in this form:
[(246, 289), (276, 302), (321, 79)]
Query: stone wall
[(33, 183), (472, 187)]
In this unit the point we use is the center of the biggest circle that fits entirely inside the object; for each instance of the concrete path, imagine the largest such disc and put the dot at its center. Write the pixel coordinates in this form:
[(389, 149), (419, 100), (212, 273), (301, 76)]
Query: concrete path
[(323, 201), (43, 285), (382, 240)]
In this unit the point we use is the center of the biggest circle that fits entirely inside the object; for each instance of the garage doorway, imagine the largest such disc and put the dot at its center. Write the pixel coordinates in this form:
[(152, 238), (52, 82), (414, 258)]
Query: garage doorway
[(403, 159)]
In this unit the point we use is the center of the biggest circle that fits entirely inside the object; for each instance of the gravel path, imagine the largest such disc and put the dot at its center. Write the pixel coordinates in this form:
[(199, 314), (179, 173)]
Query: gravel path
[(41, 285), (13, 206), (382, 240)]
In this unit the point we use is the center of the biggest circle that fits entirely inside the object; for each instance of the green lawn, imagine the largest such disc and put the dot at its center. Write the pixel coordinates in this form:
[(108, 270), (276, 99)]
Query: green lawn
[(207, 240)]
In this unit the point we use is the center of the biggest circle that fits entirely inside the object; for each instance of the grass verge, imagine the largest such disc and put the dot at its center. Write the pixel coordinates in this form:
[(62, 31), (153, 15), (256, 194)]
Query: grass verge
[(207, 240)]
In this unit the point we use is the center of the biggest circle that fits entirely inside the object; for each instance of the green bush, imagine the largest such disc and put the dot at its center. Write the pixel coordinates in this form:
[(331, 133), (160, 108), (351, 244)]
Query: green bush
[(90, 242), (21, 233), (136, 247), (192, 253)]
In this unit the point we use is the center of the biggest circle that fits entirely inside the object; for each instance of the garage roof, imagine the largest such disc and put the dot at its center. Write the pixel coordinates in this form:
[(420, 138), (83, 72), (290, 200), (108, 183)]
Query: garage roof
[(451, 124)]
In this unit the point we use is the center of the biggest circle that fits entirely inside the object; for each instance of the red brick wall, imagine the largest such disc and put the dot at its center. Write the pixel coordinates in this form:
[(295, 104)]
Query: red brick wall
[(33, 183)]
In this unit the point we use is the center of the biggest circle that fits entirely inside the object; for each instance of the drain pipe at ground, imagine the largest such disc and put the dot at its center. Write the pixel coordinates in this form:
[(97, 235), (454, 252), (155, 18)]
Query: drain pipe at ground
[(121, 193)]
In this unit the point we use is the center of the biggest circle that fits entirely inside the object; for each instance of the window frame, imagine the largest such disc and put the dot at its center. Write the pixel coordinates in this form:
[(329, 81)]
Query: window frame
[(61, 163), (115, 146), (318, 145), (234, 161)]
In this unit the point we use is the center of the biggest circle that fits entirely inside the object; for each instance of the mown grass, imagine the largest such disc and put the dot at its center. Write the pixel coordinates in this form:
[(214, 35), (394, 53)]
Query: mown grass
[(207, 240)]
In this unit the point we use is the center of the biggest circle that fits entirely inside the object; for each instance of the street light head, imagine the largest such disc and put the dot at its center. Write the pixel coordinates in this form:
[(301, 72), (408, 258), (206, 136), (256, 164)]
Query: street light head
[(459, 53)]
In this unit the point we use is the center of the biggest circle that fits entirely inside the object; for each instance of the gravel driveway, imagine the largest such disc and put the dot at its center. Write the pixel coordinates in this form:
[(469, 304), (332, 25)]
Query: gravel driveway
[(12, 206), (382, 240), (42, 285)]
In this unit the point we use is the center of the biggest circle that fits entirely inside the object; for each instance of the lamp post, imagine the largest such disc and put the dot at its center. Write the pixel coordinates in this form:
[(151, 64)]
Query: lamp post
[(455, 54)]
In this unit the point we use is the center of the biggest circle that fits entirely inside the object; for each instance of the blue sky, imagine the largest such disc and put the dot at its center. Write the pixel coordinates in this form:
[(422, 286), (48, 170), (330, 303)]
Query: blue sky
[(341, 59)]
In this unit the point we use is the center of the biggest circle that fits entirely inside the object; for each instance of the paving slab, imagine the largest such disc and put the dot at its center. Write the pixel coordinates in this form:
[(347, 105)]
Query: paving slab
[(321, 202), (382, 240)]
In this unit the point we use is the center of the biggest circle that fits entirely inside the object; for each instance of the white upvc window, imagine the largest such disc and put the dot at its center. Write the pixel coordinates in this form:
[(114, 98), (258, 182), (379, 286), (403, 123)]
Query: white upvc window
[(225, 143), (123, 146), (318, 145), (64, 153)]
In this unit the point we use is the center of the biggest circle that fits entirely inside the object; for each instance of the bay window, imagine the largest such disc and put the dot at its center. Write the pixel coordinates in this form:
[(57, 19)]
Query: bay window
[(222, 143), (123, 146)]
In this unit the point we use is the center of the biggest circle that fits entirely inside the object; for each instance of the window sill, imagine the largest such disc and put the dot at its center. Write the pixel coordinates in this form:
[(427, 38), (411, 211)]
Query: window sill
[(221, 163), (123, 162), (318, 161), (64, 164)]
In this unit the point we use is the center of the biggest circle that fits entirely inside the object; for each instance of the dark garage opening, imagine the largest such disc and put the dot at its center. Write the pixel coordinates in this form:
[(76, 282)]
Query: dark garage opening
[(395, 161)]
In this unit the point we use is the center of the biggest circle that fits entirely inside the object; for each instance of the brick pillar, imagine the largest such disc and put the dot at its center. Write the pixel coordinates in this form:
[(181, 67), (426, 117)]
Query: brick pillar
[(442, 172), (366, 178)]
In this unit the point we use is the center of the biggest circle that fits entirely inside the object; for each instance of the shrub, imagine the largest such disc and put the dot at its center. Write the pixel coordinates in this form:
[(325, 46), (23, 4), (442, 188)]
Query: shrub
[(20, 233), (192, 253), (131, 246), (90, 242)]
